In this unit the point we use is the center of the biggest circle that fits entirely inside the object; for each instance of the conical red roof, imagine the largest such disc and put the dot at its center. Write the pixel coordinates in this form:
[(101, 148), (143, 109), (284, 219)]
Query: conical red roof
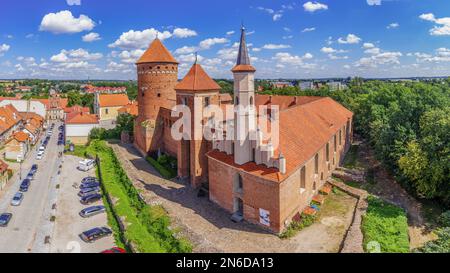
[(197, 80), (156, 53)]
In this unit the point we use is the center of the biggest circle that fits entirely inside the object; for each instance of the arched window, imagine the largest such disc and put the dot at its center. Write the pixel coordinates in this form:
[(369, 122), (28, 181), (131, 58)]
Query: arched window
[(316, 164), (251, 100), (327, 152), (335, 143), (237, 100), (303, 178), (238, 183)]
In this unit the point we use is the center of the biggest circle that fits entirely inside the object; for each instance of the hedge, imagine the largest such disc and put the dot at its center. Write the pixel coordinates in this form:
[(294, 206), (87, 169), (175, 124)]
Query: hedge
[(148, 227)]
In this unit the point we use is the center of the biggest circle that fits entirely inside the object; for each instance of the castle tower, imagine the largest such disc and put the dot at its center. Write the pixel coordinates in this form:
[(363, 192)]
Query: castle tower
[(197, 91), (244, 99), (157, 74)]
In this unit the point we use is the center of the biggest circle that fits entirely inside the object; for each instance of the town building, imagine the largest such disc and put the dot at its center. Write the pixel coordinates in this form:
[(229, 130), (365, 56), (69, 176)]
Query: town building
[(106, 106), (249, 176), (4, 174), (336, 86), (131, 108), (90, 89), (306, 85), (10, 122), (79, 125), (17, 146)]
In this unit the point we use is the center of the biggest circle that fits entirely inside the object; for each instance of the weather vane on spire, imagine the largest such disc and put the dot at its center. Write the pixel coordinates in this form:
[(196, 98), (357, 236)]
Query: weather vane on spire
[(196, 57)]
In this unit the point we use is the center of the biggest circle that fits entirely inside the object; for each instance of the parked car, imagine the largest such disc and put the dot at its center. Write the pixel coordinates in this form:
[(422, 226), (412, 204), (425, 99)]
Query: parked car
[(95, 234), (90, 198), (4, 219), (91, 211), (40, 155), (30, 175), (41, 148), (88, 191), (114, 250), (86, 164), (89, 179), (34, 167), (17, 199), (24, 185), (88, 185)]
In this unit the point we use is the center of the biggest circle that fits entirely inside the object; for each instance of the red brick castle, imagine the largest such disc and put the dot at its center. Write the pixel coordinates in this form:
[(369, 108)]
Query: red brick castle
[(249, 177)]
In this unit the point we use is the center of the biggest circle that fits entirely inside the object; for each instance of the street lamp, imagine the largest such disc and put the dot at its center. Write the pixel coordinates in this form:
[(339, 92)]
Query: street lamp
[(19, 158)]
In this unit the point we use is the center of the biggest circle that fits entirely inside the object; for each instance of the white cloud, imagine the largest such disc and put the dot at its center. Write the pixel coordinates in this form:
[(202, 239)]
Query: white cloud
[(189, 58), (208, 43), (368, 45), (65, 22), (4, 48), (331, 50), (374, 2), (393, 25), (350, 39), (287, 58), (139, 39), (130, 56), (75, 55), (277, 16), (73, 2), (379, 59), (186, 50), (373, 50), (269, 11), (275, 46), (309, 29), (442, 55), (184, 33), (231, 32), (91, 37), (312, 7), (442, 27)]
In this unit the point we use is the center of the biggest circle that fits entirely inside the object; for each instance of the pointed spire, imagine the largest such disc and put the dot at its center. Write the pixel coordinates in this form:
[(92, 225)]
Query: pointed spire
[(243, 59), (196, 57)]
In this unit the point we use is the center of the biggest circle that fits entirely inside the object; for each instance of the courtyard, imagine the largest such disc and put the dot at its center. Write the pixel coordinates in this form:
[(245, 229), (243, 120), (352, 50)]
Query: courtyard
[(209, 227)]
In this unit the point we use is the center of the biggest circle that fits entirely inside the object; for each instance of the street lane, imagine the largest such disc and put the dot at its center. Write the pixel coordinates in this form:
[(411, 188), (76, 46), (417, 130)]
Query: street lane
[(20, 234)]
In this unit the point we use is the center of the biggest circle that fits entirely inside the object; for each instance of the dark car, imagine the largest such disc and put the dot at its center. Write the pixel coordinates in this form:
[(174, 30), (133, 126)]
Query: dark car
[(95, 234), (88, 185), (34, 167), (114, 250), (4, 219), (89, 179), (88, 191), (24, 185), (90, 198), (91, 211)]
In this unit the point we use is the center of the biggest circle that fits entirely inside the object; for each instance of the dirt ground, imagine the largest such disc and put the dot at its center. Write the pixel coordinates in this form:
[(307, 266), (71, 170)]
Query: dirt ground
[(69, 224), (385, 186), (209, 227)]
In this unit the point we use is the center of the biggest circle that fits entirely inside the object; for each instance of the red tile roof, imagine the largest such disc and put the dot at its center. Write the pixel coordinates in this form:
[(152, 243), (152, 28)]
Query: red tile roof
[(21, 136), (3, 166), (156, 53), (9, 116), (81, 118), (111, 100), (197, 80), (304, 129), (131, 109), (243, 68), (76, 108)]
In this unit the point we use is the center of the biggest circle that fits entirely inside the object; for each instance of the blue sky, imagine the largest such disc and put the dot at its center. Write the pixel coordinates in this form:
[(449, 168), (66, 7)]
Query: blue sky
[(77, 39)]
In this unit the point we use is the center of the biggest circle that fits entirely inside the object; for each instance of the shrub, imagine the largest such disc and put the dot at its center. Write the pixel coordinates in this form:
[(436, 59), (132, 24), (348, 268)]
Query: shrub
[(441, 245), (444, 219), (386, 224), (163, 171), (296, 226)]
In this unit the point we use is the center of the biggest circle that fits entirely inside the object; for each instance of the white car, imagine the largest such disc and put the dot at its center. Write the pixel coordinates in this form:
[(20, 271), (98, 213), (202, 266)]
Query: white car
[(40, 155), (41, 149), (17, 199)]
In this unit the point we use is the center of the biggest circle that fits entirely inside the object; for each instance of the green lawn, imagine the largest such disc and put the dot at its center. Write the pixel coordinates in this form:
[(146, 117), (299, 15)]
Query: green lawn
[(80, 151), (387, 225), (148, 227)]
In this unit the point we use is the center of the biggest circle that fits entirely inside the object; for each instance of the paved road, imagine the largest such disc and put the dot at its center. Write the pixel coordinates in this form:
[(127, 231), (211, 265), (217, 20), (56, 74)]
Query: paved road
[(19, 236)]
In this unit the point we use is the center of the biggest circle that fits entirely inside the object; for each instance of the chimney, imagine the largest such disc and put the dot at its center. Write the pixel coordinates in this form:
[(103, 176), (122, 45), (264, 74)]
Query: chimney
[(270, 99), (282, 163), (295, 100)]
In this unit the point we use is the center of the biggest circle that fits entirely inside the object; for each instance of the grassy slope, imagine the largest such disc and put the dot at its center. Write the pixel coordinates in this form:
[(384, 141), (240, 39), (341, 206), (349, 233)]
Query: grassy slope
[(386, 224)]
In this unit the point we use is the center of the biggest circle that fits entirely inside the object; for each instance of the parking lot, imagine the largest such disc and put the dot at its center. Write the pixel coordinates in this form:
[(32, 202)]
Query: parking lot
[(69, 224)]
